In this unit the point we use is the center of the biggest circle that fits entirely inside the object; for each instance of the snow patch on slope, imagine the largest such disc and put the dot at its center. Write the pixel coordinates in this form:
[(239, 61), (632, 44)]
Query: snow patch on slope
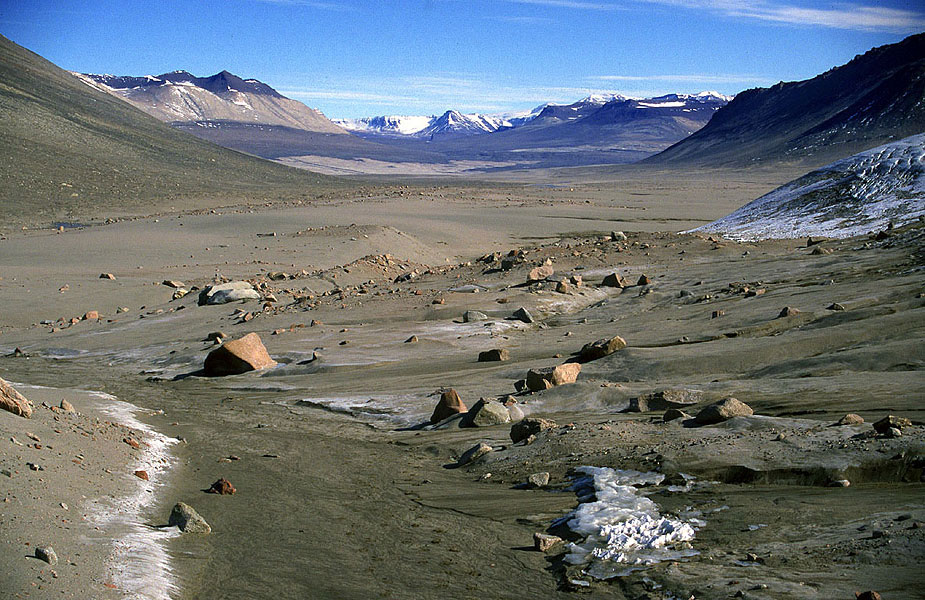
[(852, 196)]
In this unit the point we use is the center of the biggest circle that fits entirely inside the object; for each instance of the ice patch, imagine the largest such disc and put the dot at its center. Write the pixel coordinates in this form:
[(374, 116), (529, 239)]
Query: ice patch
[(400, 410), (623, 530)]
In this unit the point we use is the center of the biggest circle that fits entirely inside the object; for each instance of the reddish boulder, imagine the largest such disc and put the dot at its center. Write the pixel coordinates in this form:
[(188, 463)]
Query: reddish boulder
[(238, 356), (542, 379), (222, 487), (450, 404)]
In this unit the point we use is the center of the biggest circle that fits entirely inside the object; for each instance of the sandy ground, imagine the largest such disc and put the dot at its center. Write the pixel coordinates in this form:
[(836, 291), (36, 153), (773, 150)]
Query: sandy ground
[(338, 498)]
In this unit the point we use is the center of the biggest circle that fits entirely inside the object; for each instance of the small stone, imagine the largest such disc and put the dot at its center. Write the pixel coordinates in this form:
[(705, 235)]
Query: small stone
[(542, 379), (538, 480), (891, 422), (540, 273), (644, 280), (839, 483), (836, 306), (614, 280), (753, 293), (893, 432), (472, 316), (450, 404), (132, 442), (522, 314), (222, 487), (66, 406), (227, 292), (531, 426), (722, 411), (780, 437), (868, 595), (717, 314), (788, 311), (107, 276), (543, 542), (187, 519), (617, 236), (473, 454), (91, 315), (850, 419), (664, 399), (673, 414), (143, 475), (563, 287), (173, 283), (46, 553), (412, 340), (600, 348), (494, 355)]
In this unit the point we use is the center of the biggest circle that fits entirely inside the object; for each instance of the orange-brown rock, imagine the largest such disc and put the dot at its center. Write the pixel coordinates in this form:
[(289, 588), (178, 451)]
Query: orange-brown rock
[(450, 404), (91, 315), (142, 475), (222, 487), (541, 379), (238, 356), (13, 401)]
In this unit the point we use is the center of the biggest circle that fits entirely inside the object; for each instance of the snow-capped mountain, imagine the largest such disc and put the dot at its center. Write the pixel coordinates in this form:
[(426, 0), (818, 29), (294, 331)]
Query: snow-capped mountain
[(450, 123), (852, 196), (179, 97)]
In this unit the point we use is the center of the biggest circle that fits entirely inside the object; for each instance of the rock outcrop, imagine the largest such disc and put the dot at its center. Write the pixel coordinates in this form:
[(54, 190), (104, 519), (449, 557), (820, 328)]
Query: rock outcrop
[(238, 356), (13, 401)]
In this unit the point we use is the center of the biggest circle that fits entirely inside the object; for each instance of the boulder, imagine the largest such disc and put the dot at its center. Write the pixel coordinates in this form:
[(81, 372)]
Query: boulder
[(680, 398), (187, 519), (107, 276), (617, 236), (228, 292), (449, 405), (494, 355), (485, 413), (788, 311), (530, 426), (473, 454), (849, 419), (540, 273), (222, 487), (563, 287), (516, 413), (644, 280), (91, 315), (544, 543), (66, 406), (238, 356), (576, 280), (600, 348), (722, 411), (173, 283), (46, 553), (614, 280), (522, 314), (14, 402), (413, 339), (542, 379), (471, 316), (884, 425)]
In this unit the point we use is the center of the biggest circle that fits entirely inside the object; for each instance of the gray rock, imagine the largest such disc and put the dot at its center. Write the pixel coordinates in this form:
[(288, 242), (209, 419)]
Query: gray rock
[(664, 399), (722, 411), (13, 401), (522, 314), (516, 413), (530, 426), (884, 425), (473, 454), (228, 292), (494, 355), (543, 542), (485, 413), (849, 419), (46, 553), (601, 348), (673, 414), (187, 519), (617, 236), (538, 480), (471, 316), (614, 280)]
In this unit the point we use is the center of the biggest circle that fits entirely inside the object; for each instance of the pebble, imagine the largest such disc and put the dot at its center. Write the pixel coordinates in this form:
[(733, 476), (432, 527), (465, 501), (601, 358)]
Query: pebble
[(46, 553)]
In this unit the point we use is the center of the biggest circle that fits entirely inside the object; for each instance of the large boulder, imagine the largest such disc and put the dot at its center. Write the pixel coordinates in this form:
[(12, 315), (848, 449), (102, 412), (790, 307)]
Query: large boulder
[(187, 519), (450, 404), (472, 316), (614, 280), (13, 401), (522, 314), (238, 356), (540, 273), (494, 355), (662, 400), (543, 379), (530, 426), (228, 292), (600, 348), (884, 425), (485, 413), (722, 411)]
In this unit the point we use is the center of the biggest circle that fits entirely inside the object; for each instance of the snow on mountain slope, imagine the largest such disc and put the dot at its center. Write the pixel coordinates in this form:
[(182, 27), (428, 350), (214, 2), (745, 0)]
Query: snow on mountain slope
[(179, 97), (852, 196), (451, 122)]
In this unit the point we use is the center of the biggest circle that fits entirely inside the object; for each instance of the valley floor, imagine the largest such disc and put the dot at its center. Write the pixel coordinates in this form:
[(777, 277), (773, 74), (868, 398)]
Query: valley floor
[(340, 495)]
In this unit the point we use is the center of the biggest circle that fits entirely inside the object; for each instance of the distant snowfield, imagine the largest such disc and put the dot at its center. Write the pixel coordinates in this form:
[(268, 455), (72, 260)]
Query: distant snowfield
[(853, 196)]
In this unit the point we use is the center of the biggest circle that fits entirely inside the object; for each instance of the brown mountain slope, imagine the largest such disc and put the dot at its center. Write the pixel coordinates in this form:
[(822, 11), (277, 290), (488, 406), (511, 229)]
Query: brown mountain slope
[(71, 152)]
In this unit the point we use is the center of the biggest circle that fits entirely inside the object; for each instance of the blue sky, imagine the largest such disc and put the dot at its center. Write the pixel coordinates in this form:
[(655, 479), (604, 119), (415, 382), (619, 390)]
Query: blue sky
[(354, 58)]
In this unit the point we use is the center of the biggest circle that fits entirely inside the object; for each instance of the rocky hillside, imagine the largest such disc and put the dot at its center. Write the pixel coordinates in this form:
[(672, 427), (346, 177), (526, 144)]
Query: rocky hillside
[(876, 98)]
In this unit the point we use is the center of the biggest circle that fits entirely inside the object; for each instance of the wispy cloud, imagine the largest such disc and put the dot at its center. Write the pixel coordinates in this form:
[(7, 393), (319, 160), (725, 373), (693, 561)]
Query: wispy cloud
[(853, 16), (577, 4), (691, 78), (336, 6), (520, 20)]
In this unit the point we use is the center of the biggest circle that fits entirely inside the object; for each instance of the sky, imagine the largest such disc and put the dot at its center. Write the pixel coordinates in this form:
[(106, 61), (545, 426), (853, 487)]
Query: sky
[(355, 58)]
